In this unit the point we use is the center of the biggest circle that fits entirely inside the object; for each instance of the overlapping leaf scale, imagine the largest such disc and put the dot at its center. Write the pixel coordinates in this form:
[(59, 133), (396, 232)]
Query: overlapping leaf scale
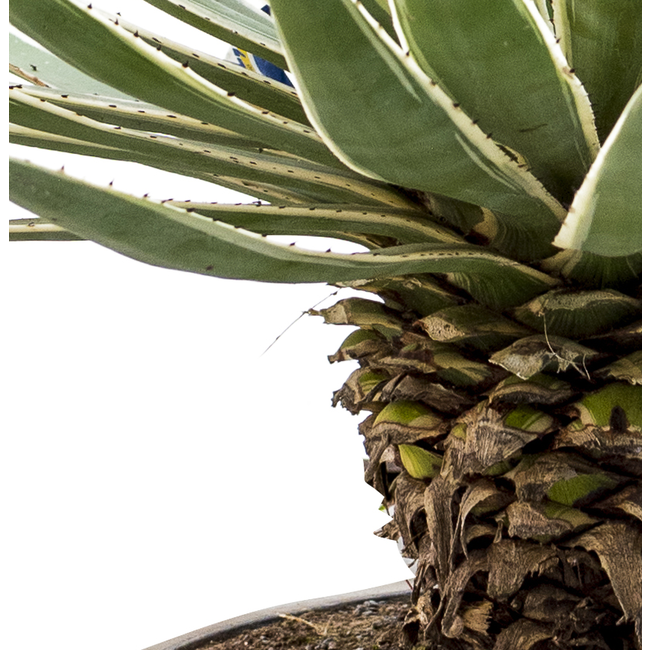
[(353, 81), (129, 64), (514, 81)]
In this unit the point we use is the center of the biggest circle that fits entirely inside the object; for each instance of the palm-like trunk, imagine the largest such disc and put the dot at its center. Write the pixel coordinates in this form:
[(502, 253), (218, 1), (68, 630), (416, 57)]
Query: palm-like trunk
[(520, 499)]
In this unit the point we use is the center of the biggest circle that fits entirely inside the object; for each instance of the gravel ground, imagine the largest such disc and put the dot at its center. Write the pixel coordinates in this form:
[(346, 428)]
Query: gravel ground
[(372, 625)]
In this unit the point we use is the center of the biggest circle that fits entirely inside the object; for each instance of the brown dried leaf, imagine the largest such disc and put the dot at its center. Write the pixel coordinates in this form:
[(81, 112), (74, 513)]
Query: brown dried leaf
[(409, 512), (360, 388), (472, 325), (487, 441), (440, 523), (542, 476), (483, 492), (621, 449), (529, 356), (453, 591), (618, 546), (368, 314), (408, 387), (510, 561), (539, 389), (628, 500), (522, 635), (544, 522), (549, 603)]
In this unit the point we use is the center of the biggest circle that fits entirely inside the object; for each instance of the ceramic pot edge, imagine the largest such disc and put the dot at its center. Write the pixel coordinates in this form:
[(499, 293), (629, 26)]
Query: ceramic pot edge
[(192, 640)]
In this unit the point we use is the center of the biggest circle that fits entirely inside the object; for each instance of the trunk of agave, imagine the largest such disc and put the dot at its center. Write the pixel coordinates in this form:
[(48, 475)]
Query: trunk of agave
[(517, 491)]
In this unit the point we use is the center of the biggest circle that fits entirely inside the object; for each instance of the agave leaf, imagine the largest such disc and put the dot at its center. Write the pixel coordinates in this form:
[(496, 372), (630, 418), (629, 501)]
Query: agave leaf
[(404, 226), (605, 217), (51, 70), (420, 294), (409, 414), (231, 21), (602, 41), (617, 405), (543, 9), (590, 270), (139, 116), (248, 85), (38, 230), (354, 80), (75, 33), (168, 237), (360, 344), (514, 80), (322, 184), (380, 11), (272, 192)]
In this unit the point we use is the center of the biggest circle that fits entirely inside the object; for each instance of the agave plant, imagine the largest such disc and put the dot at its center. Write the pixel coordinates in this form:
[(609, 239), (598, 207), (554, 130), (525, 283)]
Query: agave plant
[(487, 156)]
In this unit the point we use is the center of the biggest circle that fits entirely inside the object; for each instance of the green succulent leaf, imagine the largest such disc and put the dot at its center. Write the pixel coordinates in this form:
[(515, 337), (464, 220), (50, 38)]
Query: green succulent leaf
[(405, 226), (313, 181), (172, 238), (602, 41), (354, 81), (514, 80), (606, 215), (249, 85), (43, 67), (76, 33), (38, 230)]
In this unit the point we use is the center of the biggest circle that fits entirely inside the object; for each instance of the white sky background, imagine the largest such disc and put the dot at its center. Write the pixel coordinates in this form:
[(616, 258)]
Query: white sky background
[(160, 473)]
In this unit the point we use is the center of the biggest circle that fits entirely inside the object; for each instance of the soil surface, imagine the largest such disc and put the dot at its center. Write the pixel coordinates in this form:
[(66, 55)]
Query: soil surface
[(372, 625)]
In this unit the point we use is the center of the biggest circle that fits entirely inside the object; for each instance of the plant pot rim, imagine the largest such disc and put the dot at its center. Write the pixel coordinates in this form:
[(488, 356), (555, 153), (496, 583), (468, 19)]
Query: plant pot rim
[(217, 631)]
